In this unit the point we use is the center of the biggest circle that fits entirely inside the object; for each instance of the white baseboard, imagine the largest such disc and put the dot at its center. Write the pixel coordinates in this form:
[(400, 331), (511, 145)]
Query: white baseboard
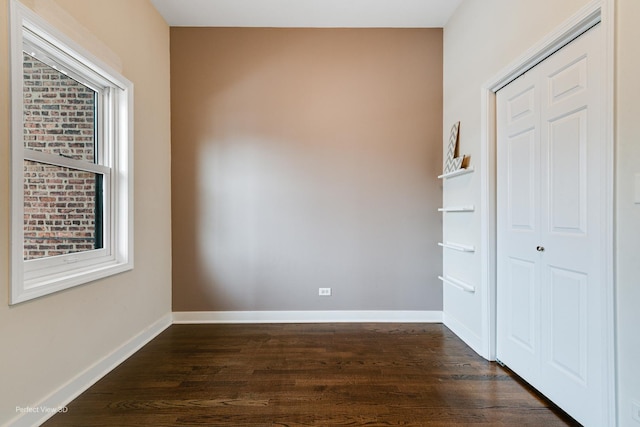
[(464, 333), (334, 316), (59, 398)]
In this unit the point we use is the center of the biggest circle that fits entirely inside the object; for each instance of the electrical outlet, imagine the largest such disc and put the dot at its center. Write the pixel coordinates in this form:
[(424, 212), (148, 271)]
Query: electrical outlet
[(636, 410), (324, 292)]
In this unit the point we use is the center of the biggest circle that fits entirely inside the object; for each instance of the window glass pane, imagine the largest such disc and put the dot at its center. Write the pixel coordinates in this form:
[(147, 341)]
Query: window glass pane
[(59, 112), (62, 210)]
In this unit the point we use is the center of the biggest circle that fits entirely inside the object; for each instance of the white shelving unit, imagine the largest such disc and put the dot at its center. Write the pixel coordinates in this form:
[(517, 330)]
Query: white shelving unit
[(446, 279), (457, 247), (470, 208), (457, 283), (456, 173)]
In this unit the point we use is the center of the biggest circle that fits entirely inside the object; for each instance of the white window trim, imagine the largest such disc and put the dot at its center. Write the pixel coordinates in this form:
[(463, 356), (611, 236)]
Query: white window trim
[(30, 280)]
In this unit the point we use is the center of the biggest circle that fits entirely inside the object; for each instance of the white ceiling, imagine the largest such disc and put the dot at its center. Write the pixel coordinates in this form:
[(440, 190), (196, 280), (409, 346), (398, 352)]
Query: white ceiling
[(307, 13)]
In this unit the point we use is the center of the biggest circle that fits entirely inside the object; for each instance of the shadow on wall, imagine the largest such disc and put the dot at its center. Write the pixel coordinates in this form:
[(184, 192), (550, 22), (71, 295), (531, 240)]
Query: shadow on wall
[(306, 159)]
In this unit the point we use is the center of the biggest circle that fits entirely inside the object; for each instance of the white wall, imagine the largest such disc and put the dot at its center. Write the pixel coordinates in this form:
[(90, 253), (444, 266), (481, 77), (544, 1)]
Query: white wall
[(627, 213), (48, 341), (482, 38)]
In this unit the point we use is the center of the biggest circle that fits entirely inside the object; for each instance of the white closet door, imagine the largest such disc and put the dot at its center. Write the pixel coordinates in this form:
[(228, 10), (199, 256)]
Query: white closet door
[(519, 226), (551, 258)]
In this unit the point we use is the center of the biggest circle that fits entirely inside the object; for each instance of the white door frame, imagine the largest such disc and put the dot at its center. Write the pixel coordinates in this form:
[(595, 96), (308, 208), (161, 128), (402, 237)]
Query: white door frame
[(601, 11)]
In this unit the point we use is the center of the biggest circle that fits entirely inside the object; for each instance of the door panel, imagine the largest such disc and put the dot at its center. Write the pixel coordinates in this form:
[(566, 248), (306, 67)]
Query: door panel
[(569, 80), (522, 203), (521, 105), (568, 173), (518, 197), (567, 299), (551, 294), (522, 307)]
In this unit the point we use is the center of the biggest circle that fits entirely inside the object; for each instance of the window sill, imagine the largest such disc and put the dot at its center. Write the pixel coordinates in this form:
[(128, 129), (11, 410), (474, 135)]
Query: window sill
[(40, 286)]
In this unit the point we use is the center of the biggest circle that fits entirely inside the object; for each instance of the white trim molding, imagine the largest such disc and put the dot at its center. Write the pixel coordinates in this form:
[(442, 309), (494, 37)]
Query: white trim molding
[(332, 316), (596, 12), (62, 396), (463, 332)]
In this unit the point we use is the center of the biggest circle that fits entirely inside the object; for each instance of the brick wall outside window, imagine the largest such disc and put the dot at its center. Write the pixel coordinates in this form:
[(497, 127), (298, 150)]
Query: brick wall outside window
[(59, 203)]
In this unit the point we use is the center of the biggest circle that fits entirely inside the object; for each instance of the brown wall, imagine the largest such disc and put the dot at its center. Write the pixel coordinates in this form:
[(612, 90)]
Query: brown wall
[(306, 158)]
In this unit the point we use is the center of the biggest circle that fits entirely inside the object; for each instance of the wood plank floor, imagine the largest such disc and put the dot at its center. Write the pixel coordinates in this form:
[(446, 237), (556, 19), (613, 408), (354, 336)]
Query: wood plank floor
[(309, 374)]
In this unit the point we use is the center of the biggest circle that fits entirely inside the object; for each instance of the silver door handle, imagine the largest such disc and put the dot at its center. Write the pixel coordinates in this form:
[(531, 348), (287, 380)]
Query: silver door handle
[(540, 248)]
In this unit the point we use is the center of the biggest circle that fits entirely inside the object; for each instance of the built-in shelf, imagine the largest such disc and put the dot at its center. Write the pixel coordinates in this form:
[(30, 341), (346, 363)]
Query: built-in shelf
[(457, 209), (457, 247), (457, 283), (456, 173)]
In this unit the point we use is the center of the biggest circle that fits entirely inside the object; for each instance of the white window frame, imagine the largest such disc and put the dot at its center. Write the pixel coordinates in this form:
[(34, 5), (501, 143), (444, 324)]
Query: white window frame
[(34, 278)]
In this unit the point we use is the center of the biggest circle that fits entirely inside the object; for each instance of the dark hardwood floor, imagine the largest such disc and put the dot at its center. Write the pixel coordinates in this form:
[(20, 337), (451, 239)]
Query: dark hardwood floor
[(309, 374)]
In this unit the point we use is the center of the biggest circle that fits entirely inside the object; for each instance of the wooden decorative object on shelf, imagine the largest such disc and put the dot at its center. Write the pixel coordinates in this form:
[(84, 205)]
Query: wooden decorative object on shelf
[(452, 160)]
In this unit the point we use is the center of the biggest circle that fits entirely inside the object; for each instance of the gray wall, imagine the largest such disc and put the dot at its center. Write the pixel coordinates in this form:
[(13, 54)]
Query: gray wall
[(306, 158)]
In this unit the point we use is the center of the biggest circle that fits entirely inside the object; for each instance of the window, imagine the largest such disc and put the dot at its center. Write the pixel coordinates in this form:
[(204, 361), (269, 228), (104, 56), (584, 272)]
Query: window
[(71, 162)]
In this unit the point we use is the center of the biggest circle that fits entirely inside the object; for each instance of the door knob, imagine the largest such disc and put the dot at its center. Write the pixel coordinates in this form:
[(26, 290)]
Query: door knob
[(540, 248)]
